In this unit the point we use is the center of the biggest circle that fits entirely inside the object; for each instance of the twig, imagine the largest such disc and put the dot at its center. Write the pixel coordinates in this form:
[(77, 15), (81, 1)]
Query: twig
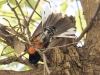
[(17, 59), (21, 19), (33, 11), (45, 50), (20, 9), (3, 50), (1, 40), (28, 32), (33, 8), (6, 35), (20, 25), (7, 53), (25, 21), (23, 53), (48, 2), (10, 25), (89, 26), (15, 14), (45, 64), (18, 4)]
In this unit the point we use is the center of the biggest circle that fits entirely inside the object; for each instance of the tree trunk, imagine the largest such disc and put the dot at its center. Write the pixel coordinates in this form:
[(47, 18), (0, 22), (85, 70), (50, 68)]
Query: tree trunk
[(91, 58)]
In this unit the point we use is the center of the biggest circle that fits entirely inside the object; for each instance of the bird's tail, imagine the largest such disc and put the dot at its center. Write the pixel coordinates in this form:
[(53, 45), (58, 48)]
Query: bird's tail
[(63, 26)]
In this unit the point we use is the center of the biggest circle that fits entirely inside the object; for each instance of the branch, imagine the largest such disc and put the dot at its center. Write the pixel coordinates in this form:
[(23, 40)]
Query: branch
[(33, 11), (20, 9), (15, 59), (66, 45), (11, 26), (45, 64), (13, 9), (29, 72), (18, 3), (25, 21), (89, 26), (34, 71), (33, 8), (20, 18)]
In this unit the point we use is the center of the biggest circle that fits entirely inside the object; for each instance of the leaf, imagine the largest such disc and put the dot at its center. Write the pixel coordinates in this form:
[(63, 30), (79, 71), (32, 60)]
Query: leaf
[(64, 5), (19, 47), (2, 2), (78, 24), (8, 51), (24, 68), (1, 49), (72, 0), (12, 2)]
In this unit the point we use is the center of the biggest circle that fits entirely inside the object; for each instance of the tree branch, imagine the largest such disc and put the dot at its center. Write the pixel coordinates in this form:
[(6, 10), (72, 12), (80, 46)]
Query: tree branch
[(33, 8), (29, 72), (11, 59), (13, 9), (89, 26), (33, 11)]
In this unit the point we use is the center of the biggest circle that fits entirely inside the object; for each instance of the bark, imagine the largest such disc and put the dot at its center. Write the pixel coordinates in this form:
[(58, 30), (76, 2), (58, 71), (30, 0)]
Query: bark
[(10, 72), (59, 63), (91, 60), (89, 8)]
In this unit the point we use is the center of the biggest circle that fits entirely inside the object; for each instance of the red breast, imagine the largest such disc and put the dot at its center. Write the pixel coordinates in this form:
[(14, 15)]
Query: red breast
[(31, 50)]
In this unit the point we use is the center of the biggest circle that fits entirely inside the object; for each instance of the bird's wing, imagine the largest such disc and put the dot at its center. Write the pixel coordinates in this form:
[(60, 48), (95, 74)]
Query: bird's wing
[(38, 29)]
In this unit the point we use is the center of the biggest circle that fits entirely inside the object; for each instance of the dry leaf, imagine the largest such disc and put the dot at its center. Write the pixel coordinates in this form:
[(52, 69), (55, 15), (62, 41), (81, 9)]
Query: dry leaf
[(19, 47)]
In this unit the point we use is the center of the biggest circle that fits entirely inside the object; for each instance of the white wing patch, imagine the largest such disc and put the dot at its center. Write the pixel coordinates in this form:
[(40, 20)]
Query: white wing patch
[(68, 34)]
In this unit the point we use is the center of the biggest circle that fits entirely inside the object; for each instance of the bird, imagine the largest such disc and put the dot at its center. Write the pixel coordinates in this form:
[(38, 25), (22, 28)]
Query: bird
[(53, 25)]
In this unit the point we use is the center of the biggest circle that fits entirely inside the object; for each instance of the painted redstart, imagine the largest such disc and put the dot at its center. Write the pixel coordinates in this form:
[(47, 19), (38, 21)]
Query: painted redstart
[(53, 25)]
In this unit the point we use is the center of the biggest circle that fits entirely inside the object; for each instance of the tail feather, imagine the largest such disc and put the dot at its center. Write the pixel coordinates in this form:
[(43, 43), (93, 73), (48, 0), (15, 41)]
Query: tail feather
[(57, 18), (47, 22), (52, 19), (62, 29), (61, 24)]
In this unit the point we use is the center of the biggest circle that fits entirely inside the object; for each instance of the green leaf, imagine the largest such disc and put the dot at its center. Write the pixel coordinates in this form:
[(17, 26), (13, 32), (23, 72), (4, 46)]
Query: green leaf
[(12, 2), (2, 67), (24, 68), (83, 21), (26, 55), (64, 5), (72, 0), (8, 51), (2, 2)]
